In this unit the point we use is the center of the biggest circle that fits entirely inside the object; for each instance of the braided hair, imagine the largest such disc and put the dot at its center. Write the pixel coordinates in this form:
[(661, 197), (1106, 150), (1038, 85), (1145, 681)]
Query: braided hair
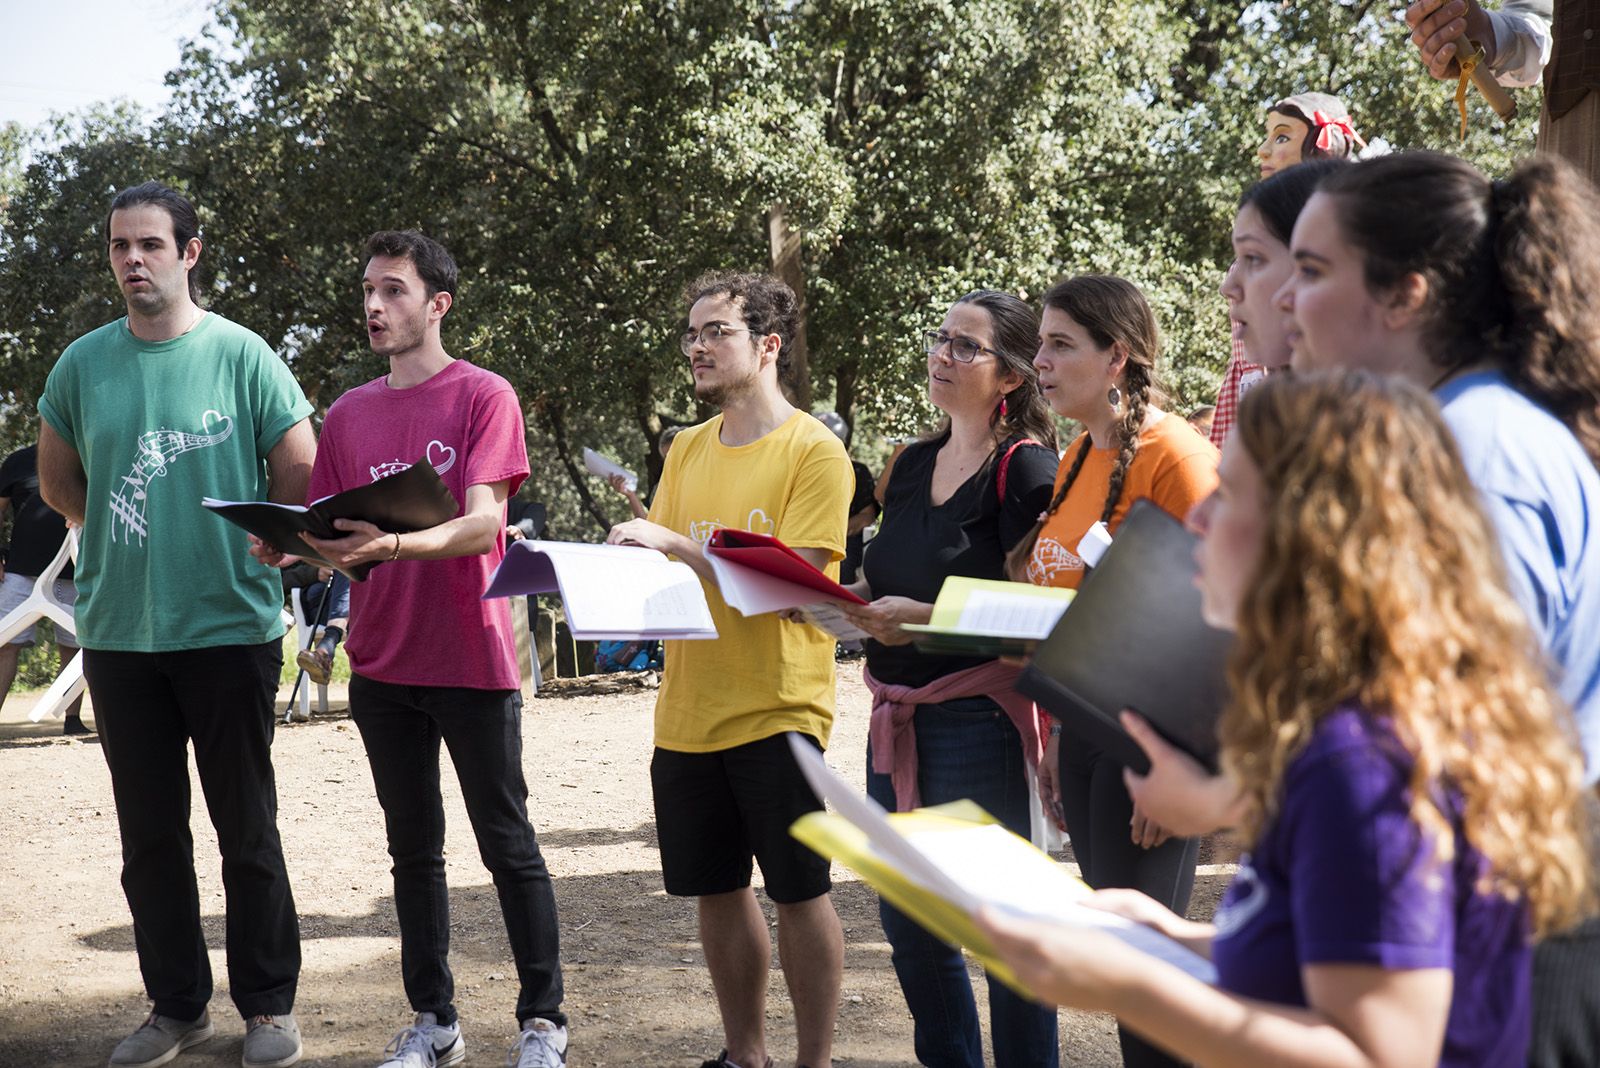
[(1112, 311)]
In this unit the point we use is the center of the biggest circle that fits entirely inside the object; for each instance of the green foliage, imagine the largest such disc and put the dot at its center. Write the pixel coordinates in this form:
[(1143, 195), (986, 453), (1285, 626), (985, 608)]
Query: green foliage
[(583, 162), (39, 663)]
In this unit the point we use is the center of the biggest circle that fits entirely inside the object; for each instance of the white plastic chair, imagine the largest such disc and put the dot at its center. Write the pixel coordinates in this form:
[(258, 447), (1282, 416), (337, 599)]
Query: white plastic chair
[(303, 628), (40, 604)]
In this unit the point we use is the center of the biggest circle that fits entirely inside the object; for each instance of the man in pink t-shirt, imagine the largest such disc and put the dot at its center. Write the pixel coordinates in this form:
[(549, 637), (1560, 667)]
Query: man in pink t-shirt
[(430, 660)]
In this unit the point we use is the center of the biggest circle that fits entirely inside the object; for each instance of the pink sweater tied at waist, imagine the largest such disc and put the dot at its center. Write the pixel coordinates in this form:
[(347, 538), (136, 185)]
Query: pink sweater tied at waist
[(894, 739)]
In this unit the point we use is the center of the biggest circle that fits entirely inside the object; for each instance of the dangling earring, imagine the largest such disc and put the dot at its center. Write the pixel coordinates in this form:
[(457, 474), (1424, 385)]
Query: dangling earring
[(1002, 407), (1114, 396)]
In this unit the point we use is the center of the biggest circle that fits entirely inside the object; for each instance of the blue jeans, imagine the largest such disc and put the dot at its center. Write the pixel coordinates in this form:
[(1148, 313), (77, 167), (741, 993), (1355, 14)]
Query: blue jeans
[(966, 749)]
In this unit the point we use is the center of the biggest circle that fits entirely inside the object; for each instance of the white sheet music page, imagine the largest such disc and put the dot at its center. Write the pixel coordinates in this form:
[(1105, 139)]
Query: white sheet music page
[(987, 865), (1010, 615), (596, 464), (610, 592)]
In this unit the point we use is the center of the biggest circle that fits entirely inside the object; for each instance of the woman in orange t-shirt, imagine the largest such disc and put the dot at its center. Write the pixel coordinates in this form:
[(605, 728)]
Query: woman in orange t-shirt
[(1097, 352)]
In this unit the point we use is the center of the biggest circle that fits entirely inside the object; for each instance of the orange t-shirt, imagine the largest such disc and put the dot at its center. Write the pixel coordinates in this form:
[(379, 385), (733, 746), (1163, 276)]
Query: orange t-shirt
[(1175, 467)]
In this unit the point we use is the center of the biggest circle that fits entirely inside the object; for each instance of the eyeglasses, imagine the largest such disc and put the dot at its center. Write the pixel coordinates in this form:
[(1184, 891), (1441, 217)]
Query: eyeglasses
[(709, 336), (962, 349)]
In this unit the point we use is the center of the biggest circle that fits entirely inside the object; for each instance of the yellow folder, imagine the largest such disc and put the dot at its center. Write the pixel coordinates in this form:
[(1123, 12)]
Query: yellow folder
[(939, 865), (837, 838)]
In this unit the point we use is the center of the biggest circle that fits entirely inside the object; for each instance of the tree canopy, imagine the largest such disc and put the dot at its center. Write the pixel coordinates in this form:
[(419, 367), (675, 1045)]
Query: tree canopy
[(584, 162)]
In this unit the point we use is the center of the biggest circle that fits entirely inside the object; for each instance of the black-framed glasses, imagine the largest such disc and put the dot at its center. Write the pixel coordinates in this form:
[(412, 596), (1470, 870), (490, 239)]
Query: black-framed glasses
[(708, 335), (962, 349)]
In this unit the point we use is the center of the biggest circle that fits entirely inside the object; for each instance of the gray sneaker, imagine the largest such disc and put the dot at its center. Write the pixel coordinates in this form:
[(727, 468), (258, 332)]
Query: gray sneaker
[(425, 1044), (159, 1039), (271, 1042), (542, 1045)]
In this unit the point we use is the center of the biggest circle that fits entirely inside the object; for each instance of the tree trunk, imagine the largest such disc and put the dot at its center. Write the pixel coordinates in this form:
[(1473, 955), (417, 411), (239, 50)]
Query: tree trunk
[(580, 479), (785, 244), (845, 392)]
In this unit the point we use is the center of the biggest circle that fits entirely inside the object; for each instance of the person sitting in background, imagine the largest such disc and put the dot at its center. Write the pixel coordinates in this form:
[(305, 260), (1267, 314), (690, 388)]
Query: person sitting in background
[(37, 532), (1411, 793), (317, 661), (637, 505)]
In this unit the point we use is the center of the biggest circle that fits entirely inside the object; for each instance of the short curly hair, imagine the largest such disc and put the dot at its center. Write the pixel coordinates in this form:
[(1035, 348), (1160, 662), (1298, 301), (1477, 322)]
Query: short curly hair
[(768, 304)]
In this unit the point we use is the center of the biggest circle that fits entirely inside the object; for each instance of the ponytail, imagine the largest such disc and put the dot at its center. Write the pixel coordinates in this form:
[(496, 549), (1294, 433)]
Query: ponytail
[(1547, 243), (1513, 268)]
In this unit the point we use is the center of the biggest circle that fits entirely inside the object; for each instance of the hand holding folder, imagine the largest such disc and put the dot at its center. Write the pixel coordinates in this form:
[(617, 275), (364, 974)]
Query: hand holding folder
[(940, 865), (407, 501), (757, 574), (985, 617)]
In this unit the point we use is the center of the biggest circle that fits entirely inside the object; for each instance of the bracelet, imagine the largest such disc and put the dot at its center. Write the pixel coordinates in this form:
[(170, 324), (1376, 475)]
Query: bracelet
[(1055, 730), (396, 554)]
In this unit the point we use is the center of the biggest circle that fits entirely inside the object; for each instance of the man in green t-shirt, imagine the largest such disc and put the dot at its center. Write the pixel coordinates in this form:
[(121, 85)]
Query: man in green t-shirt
[(181, 631)]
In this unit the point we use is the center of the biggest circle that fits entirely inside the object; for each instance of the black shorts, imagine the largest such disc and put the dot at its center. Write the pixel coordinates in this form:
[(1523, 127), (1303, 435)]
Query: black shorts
[(715, 811)]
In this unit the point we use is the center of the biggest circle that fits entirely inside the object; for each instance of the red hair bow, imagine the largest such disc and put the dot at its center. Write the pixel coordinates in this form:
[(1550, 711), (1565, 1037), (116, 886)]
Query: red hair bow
[(1326, 124)]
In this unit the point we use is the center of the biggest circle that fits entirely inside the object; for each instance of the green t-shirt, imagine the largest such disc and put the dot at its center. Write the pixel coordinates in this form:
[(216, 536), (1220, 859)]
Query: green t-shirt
[(159, 425)]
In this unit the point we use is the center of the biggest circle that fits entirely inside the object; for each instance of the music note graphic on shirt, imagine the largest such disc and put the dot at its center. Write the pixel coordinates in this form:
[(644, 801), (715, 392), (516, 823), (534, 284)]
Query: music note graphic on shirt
[(1049, 559), (440, 455), (157, 448)]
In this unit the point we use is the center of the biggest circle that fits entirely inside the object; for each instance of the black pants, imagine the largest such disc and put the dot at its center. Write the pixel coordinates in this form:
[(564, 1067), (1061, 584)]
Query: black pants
[(1098, 810), (402, 727), (1566, 999), (149, 707)]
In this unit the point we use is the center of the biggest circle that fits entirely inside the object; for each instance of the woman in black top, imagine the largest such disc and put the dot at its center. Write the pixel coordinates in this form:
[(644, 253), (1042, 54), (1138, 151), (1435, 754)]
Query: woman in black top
[(946, 728)]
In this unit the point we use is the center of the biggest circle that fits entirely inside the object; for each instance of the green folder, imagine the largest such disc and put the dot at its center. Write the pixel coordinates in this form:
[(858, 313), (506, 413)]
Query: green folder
[(989, 618)]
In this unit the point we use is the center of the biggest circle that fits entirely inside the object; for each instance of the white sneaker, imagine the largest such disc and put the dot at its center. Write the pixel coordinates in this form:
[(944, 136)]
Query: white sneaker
[(542, 1045), (426, 1044)]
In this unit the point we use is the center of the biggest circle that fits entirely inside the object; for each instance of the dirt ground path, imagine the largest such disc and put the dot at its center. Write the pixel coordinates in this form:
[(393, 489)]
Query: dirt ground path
[(637, 988)]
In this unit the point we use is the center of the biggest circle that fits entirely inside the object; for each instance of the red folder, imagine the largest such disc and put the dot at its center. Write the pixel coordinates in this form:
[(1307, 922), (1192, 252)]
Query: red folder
[(768, 555)]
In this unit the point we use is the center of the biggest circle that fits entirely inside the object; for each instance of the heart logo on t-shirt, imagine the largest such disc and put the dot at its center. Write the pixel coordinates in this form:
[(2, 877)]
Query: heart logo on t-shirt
[(441, 456), (758, 523)]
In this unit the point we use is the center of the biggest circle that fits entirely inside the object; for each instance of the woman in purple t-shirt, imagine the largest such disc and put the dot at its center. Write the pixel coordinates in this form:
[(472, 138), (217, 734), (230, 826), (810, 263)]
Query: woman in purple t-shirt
[(1410, 789)]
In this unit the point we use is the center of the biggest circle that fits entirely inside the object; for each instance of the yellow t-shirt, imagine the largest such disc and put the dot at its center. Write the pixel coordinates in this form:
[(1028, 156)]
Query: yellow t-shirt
[(1175, 467), (762, 676)]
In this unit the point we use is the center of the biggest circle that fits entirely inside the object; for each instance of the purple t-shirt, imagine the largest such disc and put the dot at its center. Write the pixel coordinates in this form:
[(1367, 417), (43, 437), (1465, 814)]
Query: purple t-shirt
[(423, 622), (1344, 876)]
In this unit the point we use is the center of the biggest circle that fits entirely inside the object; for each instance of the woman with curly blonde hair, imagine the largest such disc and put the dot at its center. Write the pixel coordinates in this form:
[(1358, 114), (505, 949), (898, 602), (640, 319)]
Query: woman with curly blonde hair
[(1411, 787)]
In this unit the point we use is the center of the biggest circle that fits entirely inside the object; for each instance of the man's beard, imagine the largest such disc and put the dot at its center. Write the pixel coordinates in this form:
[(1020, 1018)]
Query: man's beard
[(722, 394), (402, 337)]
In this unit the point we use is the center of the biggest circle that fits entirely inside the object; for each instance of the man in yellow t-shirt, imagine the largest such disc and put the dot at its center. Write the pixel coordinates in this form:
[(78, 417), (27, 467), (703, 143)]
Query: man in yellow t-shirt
[(726, 785)]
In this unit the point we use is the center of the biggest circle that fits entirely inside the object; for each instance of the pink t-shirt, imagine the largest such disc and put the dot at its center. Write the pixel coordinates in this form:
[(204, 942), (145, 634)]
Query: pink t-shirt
[(423, 622)]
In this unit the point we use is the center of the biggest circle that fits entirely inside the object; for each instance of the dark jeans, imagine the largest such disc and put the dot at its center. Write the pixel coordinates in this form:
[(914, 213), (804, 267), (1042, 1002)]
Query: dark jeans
[(338, 608), (149, 707), (401, 727), (1098, 810), (966, 749)]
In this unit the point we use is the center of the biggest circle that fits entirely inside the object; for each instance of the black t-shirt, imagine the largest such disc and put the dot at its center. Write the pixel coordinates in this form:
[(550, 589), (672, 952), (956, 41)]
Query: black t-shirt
[(850, 567), (36, 531), (919, 545)]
